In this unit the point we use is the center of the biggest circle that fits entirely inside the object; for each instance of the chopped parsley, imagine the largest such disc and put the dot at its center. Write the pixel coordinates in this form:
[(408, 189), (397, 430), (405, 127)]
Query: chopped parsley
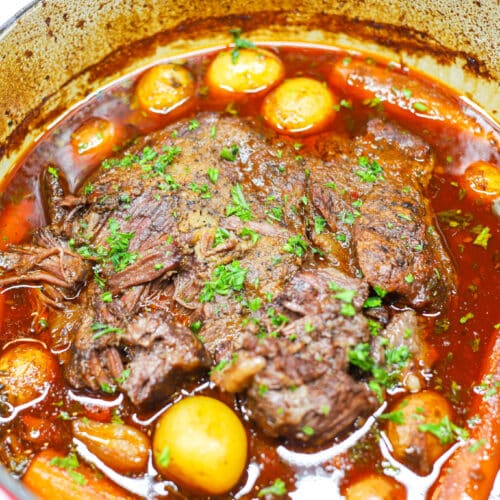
[(213, 175), (225, 279), (445, 430), (296, 245), (203, 190), (221, 235), (278, 488), (254, 235), (69, 463), (420, 106), (466, 318), (230, 153), (483, 237), (118, 242), (319, 224), (394, 416), (164, 458), (307, 430), (193, 124), (239, 43), (370, 171), (240, 206), (53, 171), (102, 329)]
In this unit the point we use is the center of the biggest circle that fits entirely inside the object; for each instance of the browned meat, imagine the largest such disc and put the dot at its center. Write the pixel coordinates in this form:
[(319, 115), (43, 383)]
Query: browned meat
[(269, 255)]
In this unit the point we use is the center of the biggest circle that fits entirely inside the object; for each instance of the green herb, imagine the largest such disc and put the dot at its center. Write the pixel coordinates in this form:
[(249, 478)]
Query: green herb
[(230, 153), (370, 171), (116, 418), (193, 124), (455, 218), (296, 245), (213, 132), (124, 376), (348, 217), (275, 213), (118, 242), (278, 488), (345, 104), (409, 278), (406, 93), (88, 189), (277, 319), (372, 302), (483, 237), (221, 235), (239, 43), (202, 190), (374, 326), (466, 318), (404, 217), (394, 416), (254, 304), (108, 389), (420, 106), (319, 224), (107, 296), (195, 327), (53, 171), (372, 102), (340, 237), (398, 356), (309, 327), (445, 430), (213, 175), (69, 463), (64, 415), (102, 329), (220, 366), (477, 445), (43, 323), (164, 458), (307, 430), (254, 235), (225, 278), (240, 206)]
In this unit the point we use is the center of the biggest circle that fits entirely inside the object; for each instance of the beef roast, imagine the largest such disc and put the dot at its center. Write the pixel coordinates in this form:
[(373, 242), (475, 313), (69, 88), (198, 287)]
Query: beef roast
[(217, 245)]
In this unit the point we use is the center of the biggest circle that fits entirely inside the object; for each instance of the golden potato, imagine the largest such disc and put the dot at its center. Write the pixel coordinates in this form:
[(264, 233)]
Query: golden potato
[(374, 487), (200, 443), (299, 106), (165, 88), (122, 447), (414, 447), (255, 70), (25, 369), (94, 136), (482, 180)]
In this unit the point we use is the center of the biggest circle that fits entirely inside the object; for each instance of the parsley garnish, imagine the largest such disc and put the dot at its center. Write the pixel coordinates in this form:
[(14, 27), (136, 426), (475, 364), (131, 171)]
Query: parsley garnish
[(213, 175), (102, 329), (319, 224), (370, 171), (240, 206), (394, 416), (483, 237), (224, 280), (296, 245), (239, 43), (69, 463), (221, 235), (164, 458), (231, 153), (118, 253), (445, 430), (254, 235)]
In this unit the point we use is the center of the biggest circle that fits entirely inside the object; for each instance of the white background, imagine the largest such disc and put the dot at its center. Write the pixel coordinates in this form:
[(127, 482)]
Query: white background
[(9, 7)]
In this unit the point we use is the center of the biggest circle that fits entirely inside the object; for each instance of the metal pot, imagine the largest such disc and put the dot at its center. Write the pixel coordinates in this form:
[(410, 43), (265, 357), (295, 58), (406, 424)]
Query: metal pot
[(57, 52)]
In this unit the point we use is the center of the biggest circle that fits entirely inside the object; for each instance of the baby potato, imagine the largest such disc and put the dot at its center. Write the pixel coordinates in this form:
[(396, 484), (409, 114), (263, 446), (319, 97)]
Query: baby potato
[(200, 443), (412, 446), (374, 487), (299, 106), (255, 70), (96, 136), (122, 447), (481, 180), (165, 88), (25, 369)]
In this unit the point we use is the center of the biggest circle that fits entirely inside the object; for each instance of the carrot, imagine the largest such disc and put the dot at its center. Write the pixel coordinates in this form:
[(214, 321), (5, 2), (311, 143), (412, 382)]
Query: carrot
[(402, 96), (471, 470), (52, 475), (14, 226)]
